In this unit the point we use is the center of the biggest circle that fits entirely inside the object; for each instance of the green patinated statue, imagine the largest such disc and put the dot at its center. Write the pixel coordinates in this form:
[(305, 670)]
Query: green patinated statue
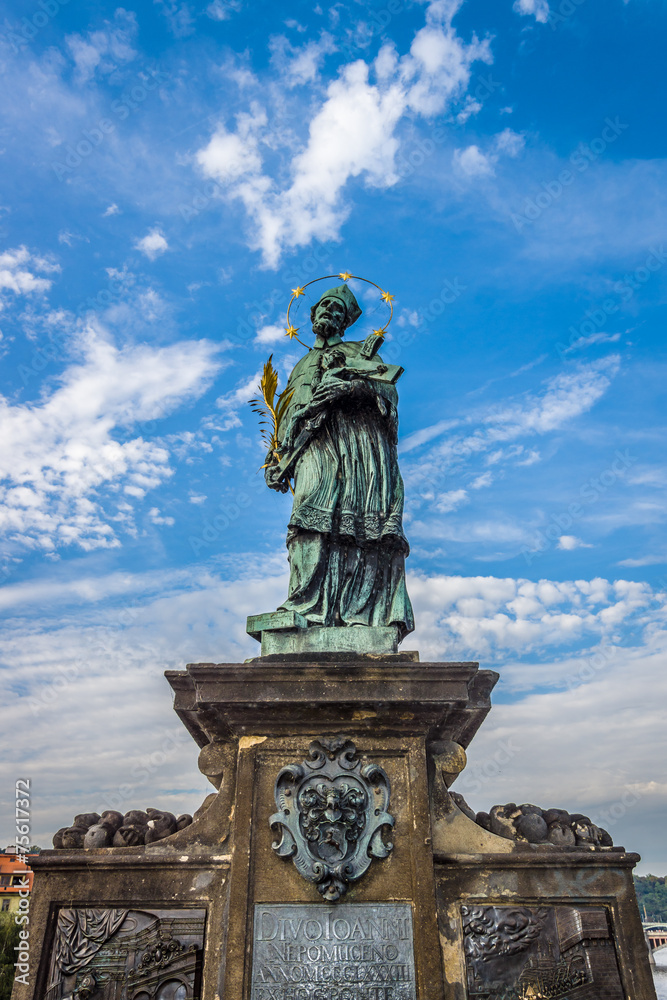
[(337, 441)]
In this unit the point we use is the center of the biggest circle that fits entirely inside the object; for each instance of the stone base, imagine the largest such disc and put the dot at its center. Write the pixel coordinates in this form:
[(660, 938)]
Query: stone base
[(437, 914)]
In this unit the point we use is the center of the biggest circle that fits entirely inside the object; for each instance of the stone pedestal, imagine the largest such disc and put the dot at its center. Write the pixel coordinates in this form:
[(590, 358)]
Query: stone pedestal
[(442, 908)]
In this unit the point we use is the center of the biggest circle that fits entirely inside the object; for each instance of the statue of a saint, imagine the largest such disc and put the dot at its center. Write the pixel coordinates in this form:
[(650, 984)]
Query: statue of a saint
[(338, 443)]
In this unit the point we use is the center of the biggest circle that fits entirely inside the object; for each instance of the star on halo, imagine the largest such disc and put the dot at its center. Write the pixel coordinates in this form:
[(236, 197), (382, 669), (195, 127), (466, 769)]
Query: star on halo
[(387, 297), (291, 331), (296, 292), (345, 275), (379, 333)]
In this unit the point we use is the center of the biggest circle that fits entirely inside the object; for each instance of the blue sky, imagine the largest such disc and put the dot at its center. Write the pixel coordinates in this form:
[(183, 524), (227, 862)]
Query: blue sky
[(170, 172)]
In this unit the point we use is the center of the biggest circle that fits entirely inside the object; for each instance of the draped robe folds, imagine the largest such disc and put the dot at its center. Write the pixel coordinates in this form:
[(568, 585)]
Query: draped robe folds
[(345, 536), (80, 935)]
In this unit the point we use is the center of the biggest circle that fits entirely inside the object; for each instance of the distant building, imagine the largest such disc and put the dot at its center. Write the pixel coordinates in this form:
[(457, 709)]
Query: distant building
[(13, 872)]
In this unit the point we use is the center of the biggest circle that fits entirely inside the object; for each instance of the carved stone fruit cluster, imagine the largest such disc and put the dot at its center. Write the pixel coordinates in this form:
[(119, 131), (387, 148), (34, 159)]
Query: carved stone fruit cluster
[(113, 829), (530, 824)]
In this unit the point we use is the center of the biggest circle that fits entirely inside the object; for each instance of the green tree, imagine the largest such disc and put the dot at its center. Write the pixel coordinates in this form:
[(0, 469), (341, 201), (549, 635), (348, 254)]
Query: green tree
[(652, 897), (9, 939)]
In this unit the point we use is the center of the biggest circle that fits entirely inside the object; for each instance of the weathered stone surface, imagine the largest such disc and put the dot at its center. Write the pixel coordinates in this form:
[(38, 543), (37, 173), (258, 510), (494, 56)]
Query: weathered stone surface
[(130, 835), (463, 805), (136, 816), (532, 828), (442, 701), (58, 837), (73, 837), (608, 937), (355, 639), (502, 820), (86, 819), (412, 720), (99, 835), (561, 835), (112, 818), (449, 758)]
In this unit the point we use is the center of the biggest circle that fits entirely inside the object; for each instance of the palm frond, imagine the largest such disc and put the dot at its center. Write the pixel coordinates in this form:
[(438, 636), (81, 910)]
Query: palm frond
[(271, 410)]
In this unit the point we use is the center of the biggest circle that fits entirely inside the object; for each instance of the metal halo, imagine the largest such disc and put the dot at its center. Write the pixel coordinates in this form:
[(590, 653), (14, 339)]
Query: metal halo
[(291, 331)]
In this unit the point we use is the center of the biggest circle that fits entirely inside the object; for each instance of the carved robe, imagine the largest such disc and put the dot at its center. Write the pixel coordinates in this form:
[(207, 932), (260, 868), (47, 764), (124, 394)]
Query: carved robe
[(345, 537)]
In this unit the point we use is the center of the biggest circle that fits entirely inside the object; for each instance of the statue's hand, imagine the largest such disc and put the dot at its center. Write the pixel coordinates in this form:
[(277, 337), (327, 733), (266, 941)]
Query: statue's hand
[(273, 479), (335, 388)]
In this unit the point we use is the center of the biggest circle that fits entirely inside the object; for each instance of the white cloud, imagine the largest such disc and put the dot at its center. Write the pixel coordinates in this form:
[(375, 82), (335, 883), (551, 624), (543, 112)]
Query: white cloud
[(62, 472), (178, 16), (157, 517), (509, 142), (352, 134), (568, 395), (299, 65), (471, 107), (271, 334), (231, 402), (222, 10), (493, 618), (595, 338), (565, 742), (570, 542), (479, 482), (229, 155), (114, 665), (21, 272), (111, 210), (426, 434), (650, 560), (153, 244), (105, 49), (538, 8), (448, 502), (472, 162)]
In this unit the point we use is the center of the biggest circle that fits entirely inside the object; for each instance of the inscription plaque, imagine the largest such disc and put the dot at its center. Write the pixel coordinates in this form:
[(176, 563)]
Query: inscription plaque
[(351, 951)]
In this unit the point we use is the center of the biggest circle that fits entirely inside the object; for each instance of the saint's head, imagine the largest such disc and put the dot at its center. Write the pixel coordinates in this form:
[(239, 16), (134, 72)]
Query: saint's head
[(336, 310)]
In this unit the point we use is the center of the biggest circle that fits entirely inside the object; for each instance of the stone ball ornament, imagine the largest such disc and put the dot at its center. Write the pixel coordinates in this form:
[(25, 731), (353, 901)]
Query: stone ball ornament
[(530, 824), (115, 829)]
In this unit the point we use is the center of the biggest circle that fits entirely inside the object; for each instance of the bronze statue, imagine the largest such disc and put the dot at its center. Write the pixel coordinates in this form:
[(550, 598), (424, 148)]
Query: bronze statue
[(336, 438)]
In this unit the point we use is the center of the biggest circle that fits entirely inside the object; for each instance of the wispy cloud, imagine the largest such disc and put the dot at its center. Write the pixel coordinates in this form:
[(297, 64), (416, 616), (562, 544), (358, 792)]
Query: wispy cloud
[(103, 50), (565, 396), (539, 9), (352, 134), (22, 272)]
